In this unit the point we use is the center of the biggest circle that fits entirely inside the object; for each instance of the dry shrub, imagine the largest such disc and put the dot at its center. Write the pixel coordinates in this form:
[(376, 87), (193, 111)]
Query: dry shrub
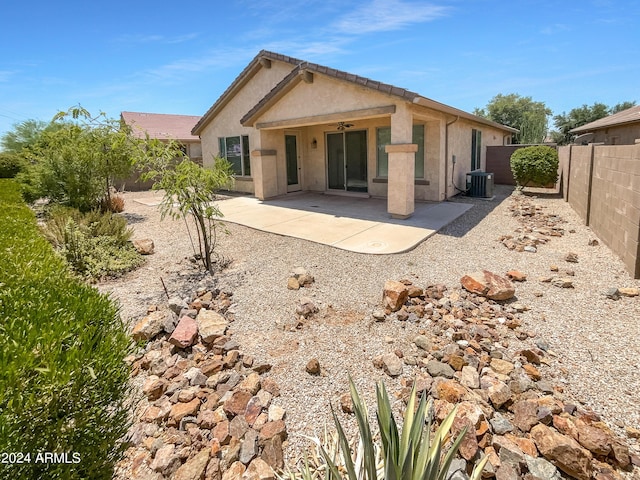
[(113, 203)]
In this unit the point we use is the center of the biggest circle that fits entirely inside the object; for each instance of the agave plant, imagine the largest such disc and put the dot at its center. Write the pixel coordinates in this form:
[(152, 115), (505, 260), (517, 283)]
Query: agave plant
[(413, 454)]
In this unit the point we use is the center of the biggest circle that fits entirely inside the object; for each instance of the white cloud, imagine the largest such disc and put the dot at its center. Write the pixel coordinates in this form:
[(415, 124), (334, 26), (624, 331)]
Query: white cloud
[(175, 71), (5, 75), (140, 38), (555, 28), (387, 15)]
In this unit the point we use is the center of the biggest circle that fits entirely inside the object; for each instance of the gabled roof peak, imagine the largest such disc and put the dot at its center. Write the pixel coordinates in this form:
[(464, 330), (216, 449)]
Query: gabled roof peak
[(302, 65)]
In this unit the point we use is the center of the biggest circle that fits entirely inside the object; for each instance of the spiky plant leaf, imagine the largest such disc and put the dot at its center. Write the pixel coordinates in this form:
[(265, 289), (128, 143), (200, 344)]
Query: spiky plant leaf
[(345, 447), (362, 417), (477, 471)]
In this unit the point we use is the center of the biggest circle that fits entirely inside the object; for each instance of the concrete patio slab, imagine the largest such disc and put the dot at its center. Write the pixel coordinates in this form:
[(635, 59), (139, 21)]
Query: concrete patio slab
[(351, 223)]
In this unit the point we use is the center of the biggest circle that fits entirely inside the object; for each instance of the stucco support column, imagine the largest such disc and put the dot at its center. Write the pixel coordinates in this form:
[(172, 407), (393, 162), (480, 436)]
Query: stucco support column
[(401, 167), (263, 171), (400, 186)]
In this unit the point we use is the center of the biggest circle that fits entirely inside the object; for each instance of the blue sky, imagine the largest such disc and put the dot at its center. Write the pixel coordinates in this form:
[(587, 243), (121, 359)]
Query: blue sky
[(167, 57)]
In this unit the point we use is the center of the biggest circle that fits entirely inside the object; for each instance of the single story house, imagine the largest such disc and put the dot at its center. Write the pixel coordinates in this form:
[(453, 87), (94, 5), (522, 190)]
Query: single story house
[(622, 128), (288, 125), (166, 127), (163, 127)]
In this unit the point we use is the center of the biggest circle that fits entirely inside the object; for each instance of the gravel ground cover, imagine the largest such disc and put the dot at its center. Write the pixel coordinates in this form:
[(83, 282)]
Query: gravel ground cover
[(594, 338)]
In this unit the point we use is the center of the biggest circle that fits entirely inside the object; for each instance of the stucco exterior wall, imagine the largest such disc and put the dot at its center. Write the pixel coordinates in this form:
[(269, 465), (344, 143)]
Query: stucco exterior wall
[(299, 111), (618, 135), (313, 174), (460, 146), (325, 95), (227, 121)]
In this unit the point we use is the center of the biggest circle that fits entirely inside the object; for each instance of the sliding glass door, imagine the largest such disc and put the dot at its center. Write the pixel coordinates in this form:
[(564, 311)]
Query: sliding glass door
[(347, 161)]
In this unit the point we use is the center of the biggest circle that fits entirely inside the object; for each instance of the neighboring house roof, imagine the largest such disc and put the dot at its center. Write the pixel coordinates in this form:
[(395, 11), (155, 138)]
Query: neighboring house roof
[(298, 73), (630, 115), (161, 125)]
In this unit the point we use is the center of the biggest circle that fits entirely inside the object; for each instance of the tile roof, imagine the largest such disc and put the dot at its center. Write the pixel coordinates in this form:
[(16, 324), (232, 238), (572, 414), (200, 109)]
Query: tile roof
[(630, 115), (239, 82), (161, 125), (302, 66)]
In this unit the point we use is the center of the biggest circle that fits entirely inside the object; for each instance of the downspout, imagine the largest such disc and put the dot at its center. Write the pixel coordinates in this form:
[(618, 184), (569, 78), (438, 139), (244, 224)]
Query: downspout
[(446, 157)]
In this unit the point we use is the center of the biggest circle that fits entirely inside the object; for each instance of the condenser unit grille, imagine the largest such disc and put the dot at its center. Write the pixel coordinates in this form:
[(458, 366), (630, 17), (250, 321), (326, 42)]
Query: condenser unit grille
[(480, 184)]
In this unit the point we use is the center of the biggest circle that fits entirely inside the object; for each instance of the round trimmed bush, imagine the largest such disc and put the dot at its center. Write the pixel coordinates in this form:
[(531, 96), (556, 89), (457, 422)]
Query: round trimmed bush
[(535, 165)]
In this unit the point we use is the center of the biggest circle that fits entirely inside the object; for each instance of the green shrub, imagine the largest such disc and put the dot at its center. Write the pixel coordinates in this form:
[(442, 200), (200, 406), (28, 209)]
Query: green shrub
[(537, 165), (63, 381), (10, 164), (107, 224), (95, 244)]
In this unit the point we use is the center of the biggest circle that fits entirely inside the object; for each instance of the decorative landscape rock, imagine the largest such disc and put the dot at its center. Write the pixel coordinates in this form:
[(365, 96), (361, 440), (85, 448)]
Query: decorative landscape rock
[(313, 367), (469, 353), (211, 325), (488, 284), (394, 295), (208, 407), (391, 364), (562, 282), (193, 469), (629, 291), (185, 333), (144, 246), (305, 307), (571, 257), (517, 276), (150, 326), (299, 278), (564, 452), (537, 227), (292, 283)]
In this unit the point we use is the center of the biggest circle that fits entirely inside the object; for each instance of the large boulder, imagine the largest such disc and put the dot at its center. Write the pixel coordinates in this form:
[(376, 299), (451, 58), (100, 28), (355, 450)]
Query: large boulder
[(488, 284)]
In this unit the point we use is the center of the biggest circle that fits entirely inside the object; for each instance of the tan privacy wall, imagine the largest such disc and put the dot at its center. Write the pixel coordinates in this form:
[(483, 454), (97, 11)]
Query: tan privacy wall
[(603, 187), (499, 162), (579, 178)]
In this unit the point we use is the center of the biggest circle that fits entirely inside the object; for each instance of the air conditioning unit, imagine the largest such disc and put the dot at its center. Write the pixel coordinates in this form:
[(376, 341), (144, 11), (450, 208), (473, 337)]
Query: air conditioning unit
[(480, 184)]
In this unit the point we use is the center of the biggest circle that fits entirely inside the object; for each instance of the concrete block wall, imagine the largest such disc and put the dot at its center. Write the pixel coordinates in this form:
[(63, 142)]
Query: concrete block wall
[(604, 189), (499, 163), (579, 175)]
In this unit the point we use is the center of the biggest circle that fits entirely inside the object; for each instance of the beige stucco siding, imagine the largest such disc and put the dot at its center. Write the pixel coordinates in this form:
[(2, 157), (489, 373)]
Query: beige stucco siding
[(460, 146), (617, 135), (325, 95), (313, 110), (227, 122)]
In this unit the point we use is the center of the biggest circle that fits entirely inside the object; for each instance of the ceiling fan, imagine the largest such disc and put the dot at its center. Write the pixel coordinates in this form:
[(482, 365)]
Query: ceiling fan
[(342, 125)]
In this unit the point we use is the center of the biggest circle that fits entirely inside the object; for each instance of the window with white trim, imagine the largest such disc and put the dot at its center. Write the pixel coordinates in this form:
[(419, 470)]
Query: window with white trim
[(236, 151), (383, 138)]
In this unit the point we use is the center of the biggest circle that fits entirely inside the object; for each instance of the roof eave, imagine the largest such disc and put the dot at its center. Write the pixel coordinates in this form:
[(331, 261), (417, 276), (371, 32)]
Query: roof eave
[(241, 80), (586, 128), (427, 102)]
